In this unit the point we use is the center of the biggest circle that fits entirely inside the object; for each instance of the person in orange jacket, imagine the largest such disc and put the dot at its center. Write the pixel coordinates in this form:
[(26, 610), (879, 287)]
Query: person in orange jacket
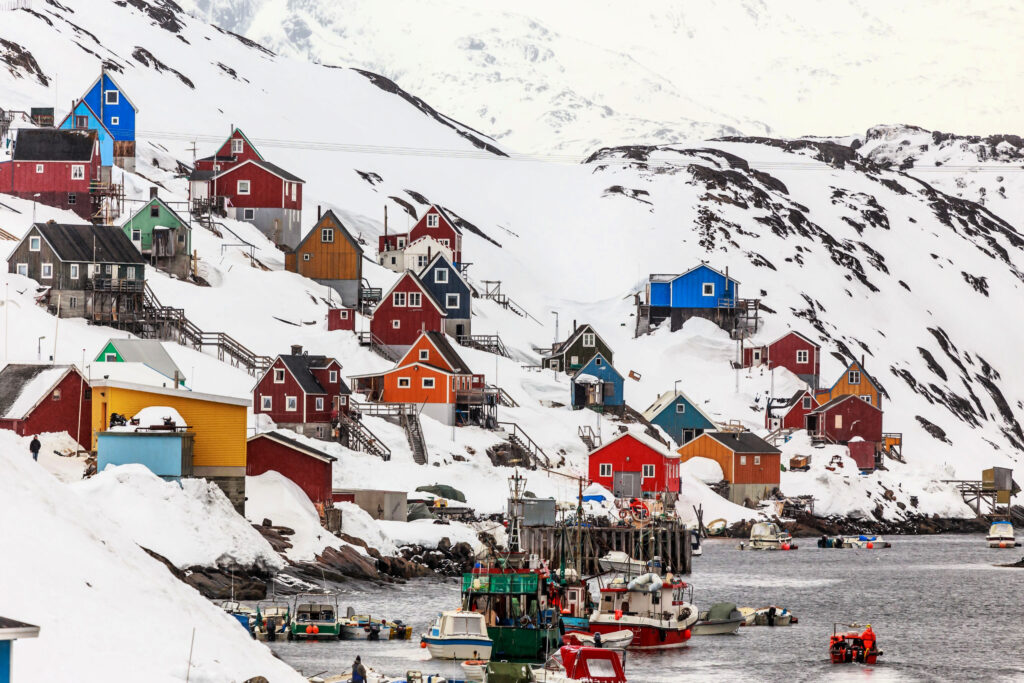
[(868, 637)]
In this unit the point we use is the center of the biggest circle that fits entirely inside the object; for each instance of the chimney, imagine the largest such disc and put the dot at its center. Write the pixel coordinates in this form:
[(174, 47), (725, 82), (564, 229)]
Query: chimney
[(574, 327), (862, 361), (385, 221), (177, 379), (428, 253), (296, 349), (153, 192), (318, 213)]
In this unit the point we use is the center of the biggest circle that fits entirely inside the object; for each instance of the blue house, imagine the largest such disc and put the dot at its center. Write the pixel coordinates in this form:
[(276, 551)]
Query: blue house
[(167, 454), (700, 292), (446, 285), (598, 385), (679, 416), (11, 630), (82, 117), (117, 113)]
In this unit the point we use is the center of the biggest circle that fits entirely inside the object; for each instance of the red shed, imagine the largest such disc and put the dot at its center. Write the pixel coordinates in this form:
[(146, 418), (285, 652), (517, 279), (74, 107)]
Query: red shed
[(793, 351), (863, 453), (305, 464), (790, 414), (302, 392), (35, 399), (404, 312), (341, 319), (55, 167), (843, 419), (633, 463)]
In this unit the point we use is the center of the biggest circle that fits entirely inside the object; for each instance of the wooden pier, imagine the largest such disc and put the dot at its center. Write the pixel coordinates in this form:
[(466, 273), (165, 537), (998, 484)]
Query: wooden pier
[(670, 543)]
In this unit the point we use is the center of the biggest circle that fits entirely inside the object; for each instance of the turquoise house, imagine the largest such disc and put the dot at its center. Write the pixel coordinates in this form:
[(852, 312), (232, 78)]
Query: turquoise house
[(82, 117), (597, 385), (168, 454), (11, 630), (679, 416)]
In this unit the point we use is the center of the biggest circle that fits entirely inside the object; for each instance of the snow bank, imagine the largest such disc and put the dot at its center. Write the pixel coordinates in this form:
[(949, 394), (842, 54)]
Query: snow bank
[(191, 525), (66, 569), (704, 469)]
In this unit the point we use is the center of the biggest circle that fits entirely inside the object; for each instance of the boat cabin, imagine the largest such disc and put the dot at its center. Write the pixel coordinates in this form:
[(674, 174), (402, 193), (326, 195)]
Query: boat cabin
[(592, 664)]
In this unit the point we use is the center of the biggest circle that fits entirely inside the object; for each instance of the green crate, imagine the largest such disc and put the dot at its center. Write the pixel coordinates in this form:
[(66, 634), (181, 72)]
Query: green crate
[(500, 583), (478, 583), (524, 583)]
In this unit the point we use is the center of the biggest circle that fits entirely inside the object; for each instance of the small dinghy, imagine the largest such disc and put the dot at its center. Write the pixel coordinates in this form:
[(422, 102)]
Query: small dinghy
[(853, 647), (768, 536), (618, 561), (615, 640), (772, 615), (1000, 535), (722, 619), (865, 541), (365, 627), (473, 669)]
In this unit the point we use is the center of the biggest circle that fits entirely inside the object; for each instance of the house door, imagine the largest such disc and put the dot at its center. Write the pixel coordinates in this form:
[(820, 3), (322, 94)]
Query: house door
[(756, 357), (579, 395), (812, 424), (460, 330), (626, 485)]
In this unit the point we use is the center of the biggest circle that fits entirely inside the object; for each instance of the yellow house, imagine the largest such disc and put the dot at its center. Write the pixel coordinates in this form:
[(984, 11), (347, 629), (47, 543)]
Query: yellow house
[(218, 422)]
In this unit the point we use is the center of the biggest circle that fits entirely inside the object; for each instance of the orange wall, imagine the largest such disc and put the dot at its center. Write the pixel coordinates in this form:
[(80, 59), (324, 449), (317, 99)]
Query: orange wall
[(843, 387), (337, 260), (435, 358), (416, 393), (706, 447)]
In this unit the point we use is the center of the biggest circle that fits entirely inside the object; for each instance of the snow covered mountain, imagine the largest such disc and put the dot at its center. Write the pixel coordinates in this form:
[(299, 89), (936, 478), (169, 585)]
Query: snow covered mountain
[(573, 76)]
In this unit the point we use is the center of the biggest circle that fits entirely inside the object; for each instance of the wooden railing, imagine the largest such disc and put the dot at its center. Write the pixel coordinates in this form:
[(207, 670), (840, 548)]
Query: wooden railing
[(589, 437), (520, 439)]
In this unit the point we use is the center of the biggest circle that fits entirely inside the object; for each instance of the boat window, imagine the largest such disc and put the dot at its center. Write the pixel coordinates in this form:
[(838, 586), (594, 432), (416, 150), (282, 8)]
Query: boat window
[(600, 668)]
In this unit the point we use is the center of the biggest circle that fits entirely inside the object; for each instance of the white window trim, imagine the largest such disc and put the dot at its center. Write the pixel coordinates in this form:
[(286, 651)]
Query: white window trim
[(332, 376), (327, 235), (743, 460), (115, 120), (319, 403), (866, 398), (129, 273), (305, 257), (278, 372), (416, 297), (107, 99), (396, 324), (428, 383), (589, 339), (757, 459), (22, 269), (136, 231), (247, 184), (424, 354), (398, 299), (74, 271), (40, 168), (680, 409), (441, 276), (554, 364), (648, 468), (248, 214), (708, 289), (803, 356), (805, 403), (266, 402), (237, 145), (604, 469), (294, 191), (291, 404), (433, 220), (404, 382), (38, 241), (46, 271), (850, 377), (839, 421), (448, 300)]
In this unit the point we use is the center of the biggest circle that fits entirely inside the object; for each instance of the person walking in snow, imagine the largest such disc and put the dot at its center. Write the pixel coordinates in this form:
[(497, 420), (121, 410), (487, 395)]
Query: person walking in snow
[(358, 671), (34, 447)]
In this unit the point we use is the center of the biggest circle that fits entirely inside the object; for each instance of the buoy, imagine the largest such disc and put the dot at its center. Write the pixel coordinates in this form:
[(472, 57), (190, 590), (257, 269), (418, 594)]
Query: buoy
[(309, 629), (423, 644), (316, 629), (618, 614), (686, 634), (870, 545), (785, 546)]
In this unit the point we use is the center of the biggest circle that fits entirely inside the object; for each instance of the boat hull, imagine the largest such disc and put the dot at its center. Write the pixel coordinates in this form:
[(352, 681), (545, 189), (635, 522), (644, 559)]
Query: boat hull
[(458, 648), (1002, 543), (717, 627), (576, 623), (647, 637), (523, 644)]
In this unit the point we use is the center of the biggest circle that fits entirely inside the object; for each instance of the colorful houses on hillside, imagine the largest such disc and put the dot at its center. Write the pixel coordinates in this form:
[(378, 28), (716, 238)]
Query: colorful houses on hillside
[(701, 292), (632, 465), (302, 393), (36, 399), (749, 464), (54, 167), (331, 256), (436, 224), (576, 351), (796, 352), (162, 236), (406, 311), (598, 386), (310, 467), (680, 417), (448, 288), (115, 112)]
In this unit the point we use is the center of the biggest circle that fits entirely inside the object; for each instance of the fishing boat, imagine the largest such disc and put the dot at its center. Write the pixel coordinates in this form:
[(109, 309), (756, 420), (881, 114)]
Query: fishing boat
[(851, 646), (768, 536), (572, 599), (458, 635), (508, 672), (1000, 535), (521, 622), (272, 619), (616, 640), (716, 527), (772, 615), (315, 617), (622, 563), (866, 541), (723, 618), (245, 615), (367, 627), (576, 664), (659, 611)]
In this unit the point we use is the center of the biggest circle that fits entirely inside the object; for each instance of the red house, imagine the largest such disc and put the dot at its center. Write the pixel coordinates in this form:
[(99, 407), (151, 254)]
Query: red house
[(404, 312), (309, 467), (341, 319), (790, 413), (36, 399), (845, 418), (55, 167), (235, 150), (633, 464), (302, 392), (434, 223), (793, 351)]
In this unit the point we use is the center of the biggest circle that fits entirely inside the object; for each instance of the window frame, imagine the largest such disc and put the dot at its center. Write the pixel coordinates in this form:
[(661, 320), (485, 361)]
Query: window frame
[(838, 422), (448, 300), (398, 299), (319, 403), (424, 383), (424, 354), (72, 198), (108, 101), (21, 269), (415, 299), (248, 214), (327, 235), (75, 271), (680, 409), (404, 382), (72, 302), (306, 257), (743, 461), (853, 377), (589, 340), (78, 171), (247, 184), (46, 271), (644, 471), (438, 279), (266, 403), (707, 289), (154, 210), (137, 231), (605, 469), (38, 240), (867, 399), (40, 168), (332, 376), (806, 403), (433, 220), (115, 120), (237, 145), (805, 354), (278, 372), (291, 404), (56, 394), (396, 323), (757, 459)]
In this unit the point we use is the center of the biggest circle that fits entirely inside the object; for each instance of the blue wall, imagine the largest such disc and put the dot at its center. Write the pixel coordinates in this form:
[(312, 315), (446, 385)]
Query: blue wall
[(455, 285), (106, 142), (5, 661), (687, 290), (606, 373), (161, 453), (123, 110), (661, 294), (674, 422)]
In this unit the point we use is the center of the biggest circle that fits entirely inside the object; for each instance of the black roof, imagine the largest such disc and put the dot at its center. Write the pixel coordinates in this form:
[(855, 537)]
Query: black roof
[(13, 623), (277, 170), (201, 175), (54, 144), (301, 367), (450, 354), (293, 443), (14, 378), (89, 243), (743, 442)]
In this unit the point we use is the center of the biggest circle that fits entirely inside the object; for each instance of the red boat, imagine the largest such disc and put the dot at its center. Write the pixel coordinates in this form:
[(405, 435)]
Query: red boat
[(849, 647), (582, 665), (658, 611)]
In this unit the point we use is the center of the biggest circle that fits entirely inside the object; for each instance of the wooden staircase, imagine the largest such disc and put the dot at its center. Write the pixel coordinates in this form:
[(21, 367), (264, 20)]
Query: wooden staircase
[(502, 396), (370, 340), (779, 436), (492, 291), (491, 343), (524, 448), (404, 414), (589, 437), (352, 433)]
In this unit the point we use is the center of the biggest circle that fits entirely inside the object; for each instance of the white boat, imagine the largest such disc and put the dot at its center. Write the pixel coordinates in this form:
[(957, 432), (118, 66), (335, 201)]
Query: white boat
[(1000, 535), (615, 640), (618, 561), (458, 635), (695, 547), (768, 536), (474, 669), (272, 620), (659, 611), (767, 616), (723, 618)]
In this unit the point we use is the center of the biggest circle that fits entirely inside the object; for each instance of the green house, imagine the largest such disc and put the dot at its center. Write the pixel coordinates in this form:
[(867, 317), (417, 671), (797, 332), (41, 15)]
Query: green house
[(161, 236), (148, 352), (576, 351)]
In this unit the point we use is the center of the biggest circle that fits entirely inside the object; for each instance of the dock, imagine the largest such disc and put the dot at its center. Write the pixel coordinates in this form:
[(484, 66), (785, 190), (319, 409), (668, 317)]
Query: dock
[(669, 542)]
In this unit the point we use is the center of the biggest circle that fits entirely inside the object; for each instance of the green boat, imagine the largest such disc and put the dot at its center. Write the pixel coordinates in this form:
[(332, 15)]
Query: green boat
[(315, 617), (520, 620)]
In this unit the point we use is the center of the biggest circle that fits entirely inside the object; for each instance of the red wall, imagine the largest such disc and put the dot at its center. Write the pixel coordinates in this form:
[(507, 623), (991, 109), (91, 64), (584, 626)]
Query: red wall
[(413, 320), (863, 453), (312, 475), (766, 472), (225, 151), (859, 419), (443, 231), (794, 419), (782, 353), (748, 355), (53, 185), (629, 455), (59, 416), (266, 190), (335, 321)]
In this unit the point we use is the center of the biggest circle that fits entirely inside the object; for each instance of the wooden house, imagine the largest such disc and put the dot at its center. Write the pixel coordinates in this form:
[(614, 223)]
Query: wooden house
[(843, 419), (404, 312), (162, 236), (598, 386), (701, 292), (447, 286), (54, 167), (234, 150), (680, 417), (341, 319), (633, 465), (148, 352), (789, 413), (854, 381), (793, 351), (82, 117), (36, 399), (92, 271), (433, 376), (331, 256), (750, 464), (413, 256), (302, 393), (111, 104), (302, 462), (573, 353), (434, 223), (219, 424)]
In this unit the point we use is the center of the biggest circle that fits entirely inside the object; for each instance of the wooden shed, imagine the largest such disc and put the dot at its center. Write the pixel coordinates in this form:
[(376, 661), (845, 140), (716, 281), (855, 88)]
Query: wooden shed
[(750, 464), (303, 463)]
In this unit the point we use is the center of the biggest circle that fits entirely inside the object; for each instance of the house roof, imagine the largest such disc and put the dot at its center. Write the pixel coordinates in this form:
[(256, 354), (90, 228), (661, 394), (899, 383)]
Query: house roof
[(149, 352), (643, 439), (741, 442), (802, 336), (341, 226), (448, 352), (11, 629), (169, 391), (302, 365), (196, 174), (24, 386), (562, 346), (863, 373), (419, 283), (586, 365), (444, 215), (668, 398), (54, 144), (399, 368), (83, 103), (114, 83), (163, 204), (665, 277), (131, 372), (89, 243), (441, 256), (244, 137), (825, 407), (265, 165), (294, 444)]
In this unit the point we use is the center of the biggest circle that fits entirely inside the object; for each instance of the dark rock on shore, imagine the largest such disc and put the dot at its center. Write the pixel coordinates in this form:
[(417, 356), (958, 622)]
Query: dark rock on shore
[(807, 525), (219, 584)]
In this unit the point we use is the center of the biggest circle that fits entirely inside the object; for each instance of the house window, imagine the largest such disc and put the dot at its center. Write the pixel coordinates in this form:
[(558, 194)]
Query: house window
[(404, 382), (237, 146), (291, 404), (344, 315), (441, 276), (755, 356), (343, 400), (398, 299), (108, 269), (332, 376), (432, 220), (394, 260), (23, 269), (415, 299), (445, 243), (648, 472), (424, 354), (598, 362), (709, 289), (428, 382), (605, 470), (305, 257), (743, 460), (181, 238), (74, 271), (451, 300), (853, 377), (802, 356), (757, 459), (248, 214), (574, 361), (110, 358), (81, 121), (47, 271), (319, 402), (266, 402), (866, 398), (73, 302), (839, 421), (396, 324), (154, 211), (588, 339), (421, 260), (554, 364), (243, 187), (72, 198), (113, 97), (327, 235), (115, 120), (278, 375), (401, 243), (295, 191), (40, 168), (77, 172), (56, 394), (136, 235), (680, 408), (130, 273), (807, 403), (33, 243)]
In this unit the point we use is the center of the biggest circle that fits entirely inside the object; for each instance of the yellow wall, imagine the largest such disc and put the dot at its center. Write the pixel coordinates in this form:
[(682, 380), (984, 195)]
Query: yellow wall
[(220, 428), (843, 387)]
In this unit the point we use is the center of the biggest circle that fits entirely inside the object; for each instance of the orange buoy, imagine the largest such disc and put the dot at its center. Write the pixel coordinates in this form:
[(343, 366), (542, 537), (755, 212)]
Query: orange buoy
[(618, 614), (785, 546), (423, 644), (686, 634), (870, 545), (316, 629), (309, 629)]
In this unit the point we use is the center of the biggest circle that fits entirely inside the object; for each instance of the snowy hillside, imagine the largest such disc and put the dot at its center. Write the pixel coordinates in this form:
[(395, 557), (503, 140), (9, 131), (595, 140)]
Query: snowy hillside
[(572, 76)]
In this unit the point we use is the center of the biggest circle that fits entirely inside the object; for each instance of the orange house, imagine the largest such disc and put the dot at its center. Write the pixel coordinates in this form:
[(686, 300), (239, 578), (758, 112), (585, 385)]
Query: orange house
[(434, 377), (856, 382), (750, 464)]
